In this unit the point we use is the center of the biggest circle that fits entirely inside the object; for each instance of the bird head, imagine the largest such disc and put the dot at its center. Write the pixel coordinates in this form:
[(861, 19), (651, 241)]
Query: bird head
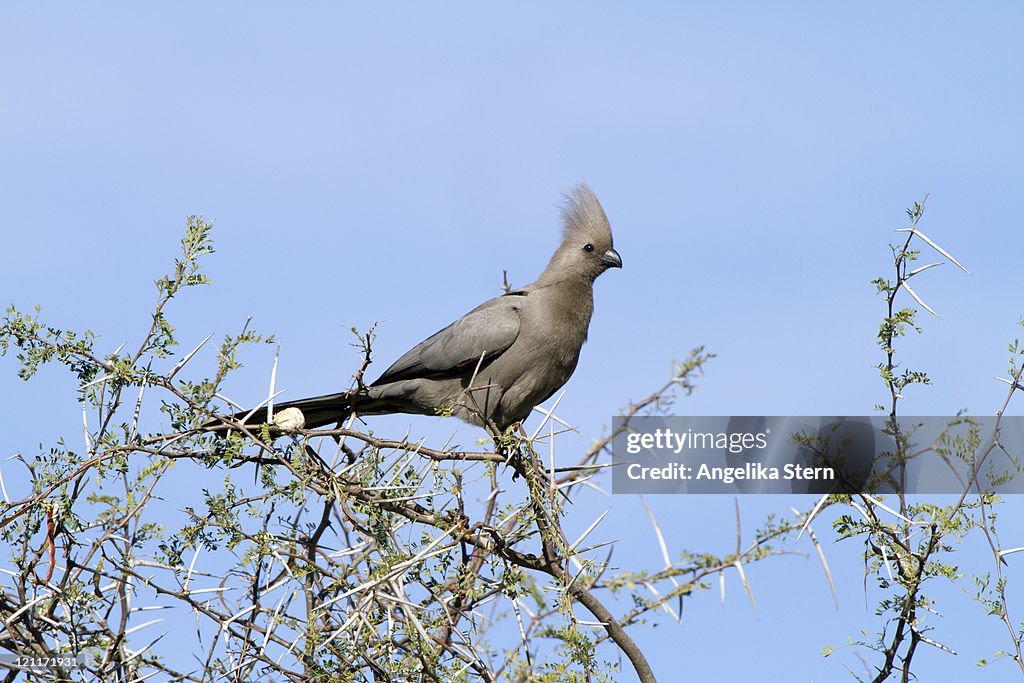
[(586, 250)]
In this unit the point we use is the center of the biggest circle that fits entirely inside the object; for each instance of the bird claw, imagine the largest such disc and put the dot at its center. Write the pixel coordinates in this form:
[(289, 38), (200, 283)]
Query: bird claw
[(514, 459)]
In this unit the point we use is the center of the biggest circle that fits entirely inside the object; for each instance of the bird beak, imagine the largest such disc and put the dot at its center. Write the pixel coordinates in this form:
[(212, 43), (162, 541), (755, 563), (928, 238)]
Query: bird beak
[(612, 259)]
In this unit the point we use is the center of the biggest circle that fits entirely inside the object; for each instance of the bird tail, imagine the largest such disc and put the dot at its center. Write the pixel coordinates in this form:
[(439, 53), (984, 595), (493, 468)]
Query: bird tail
[(317, 411)]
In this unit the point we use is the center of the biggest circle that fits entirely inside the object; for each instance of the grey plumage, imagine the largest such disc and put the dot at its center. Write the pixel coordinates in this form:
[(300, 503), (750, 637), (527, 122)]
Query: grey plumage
[(497, 362)]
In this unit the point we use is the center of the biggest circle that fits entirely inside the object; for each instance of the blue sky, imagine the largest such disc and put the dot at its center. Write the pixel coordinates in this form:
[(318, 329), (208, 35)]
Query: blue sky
[(366, 164)]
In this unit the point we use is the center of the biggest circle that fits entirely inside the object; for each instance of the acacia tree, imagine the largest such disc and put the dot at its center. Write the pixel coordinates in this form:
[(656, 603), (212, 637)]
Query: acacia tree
[(355, 557), (350, 557), (912, 544)]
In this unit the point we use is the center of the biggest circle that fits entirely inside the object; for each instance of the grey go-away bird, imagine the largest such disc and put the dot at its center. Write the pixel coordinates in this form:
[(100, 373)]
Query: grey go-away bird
[(494, 364)]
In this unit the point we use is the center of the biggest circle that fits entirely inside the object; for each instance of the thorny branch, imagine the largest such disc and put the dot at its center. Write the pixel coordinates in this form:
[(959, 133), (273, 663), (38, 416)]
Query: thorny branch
[(398, 560), (355, 557)]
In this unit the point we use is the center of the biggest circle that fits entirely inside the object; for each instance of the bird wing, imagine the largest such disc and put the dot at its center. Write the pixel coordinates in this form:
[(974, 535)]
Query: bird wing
[(486, 331)]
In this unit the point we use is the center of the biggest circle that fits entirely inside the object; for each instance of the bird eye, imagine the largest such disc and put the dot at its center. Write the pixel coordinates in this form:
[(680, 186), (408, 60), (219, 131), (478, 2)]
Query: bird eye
[(588, 248)]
